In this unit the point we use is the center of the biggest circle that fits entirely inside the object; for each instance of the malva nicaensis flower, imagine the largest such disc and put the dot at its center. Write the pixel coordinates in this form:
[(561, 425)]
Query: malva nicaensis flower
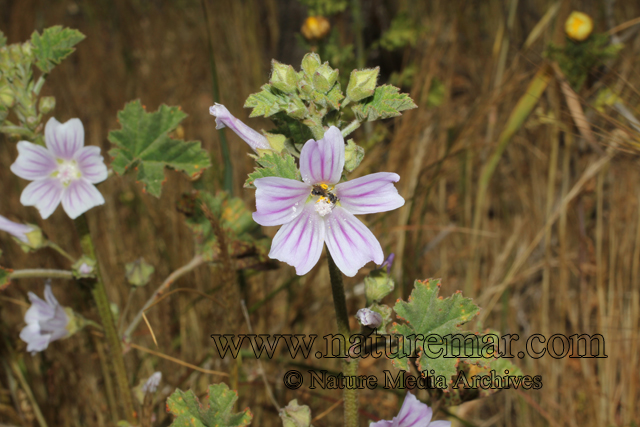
[(320, 210), (65, 171), (47, 321), (412, 414), (225, 119)]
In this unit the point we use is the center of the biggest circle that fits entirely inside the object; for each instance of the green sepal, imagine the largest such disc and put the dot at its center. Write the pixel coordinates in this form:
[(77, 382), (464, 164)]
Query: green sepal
[(217, 412), (310, 64), (36, 239), (386, 102), (46, 104), (138, 272), (324, 78), (295, 415), (283, 77), (144, 143), (276, 141), (55, 44), (274, 164), (427, 314), (362, 83), (353, 155), (89, 262)]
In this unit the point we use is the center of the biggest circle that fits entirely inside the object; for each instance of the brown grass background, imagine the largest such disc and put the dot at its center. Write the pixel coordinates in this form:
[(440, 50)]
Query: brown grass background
[(582, 278)]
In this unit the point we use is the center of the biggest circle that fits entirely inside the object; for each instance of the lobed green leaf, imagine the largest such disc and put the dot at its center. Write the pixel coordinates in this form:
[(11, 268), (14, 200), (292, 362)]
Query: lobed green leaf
[(386, 102), (190, 412), (55, 44)]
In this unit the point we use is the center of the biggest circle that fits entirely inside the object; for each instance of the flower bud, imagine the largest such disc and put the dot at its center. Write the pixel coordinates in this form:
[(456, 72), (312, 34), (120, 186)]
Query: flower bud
[(6, 96), (378, 284), (324, 78), (283, 77), (362, 83), (250, 136), (84, 268), (46, 104), (578, 26), (369, 318), (294, 415), (310, 63), (138, 272), (315, 27)]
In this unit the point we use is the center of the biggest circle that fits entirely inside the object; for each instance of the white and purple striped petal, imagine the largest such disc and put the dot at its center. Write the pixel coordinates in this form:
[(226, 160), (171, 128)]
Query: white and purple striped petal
[(250, 136), (17, 230), (370, 193), (33, 162), (47, 321), (299, 242), (44, 194), (322, 161), (350, 242), (80, 196), (64, 139), (412, 414), (91, 164), (279, 200)]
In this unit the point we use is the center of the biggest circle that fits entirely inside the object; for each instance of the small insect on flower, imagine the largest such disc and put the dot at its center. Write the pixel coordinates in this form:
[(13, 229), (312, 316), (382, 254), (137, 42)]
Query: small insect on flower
[(65, 171)]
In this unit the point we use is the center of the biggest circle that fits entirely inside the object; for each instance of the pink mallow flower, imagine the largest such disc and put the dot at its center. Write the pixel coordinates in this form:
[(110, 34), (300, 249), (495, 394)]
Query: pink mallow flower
[(17, 230), (319, 210), (65, 171), (224, 118), (412, 414), (47, 321)]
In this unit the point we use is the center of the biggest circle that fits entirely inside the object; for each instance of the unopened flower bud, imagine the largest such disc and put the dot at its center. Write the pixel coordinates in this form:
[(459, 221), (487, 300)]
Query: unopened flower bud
[(294, 415), (250, 136), (283, 77), (368, 317), (84, 268), (46, 104), (138, 272)]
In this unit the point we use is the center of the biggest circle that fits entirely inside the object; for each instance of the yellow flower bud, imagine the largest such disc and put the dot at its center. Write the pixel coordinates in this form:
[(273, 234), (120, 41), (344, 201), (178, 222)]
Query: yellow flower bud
[(315, 27), (578, 26)]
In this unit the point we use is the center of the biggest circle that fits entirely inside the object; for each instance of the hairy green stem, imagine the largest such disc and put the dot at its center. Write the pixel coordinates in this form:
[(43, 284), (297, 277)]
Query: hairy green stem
[(29, 273), (61, 251), (350, 128), (104, 309), (349, 365)]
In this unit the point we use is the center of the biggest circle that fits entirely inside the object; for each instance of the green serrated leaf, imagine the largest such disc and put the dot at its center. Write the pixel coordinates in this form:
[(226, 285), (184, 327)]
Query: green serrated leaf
[(217, 412), (144, 143), (386, 102), (55, 44), (274, 164), (267, 102), (429, 315), (334, 97)]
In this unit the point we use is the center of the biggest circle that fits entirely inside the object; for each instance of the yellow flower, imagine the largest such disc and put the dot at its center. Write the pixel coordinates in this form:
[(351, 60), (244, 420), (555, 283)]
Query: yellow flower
[(578, 26), (315, 27)]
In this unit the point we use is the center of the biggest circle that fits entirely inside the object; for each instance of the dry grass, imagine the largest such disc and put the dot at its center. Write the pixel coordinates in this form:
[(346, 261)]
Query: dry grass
[(578, 275)]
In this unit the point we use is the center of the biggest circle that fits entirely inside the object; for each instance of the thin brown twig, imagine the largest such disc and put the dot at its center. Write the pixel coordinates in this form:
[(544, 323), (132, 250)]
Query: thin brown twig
[(178, 361)]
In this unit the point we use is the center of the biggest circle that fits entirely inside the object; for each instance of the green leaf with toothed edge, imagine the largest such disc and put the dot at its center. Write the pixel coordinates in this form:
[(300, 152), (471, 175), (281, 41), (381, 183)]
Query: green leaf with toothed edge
[(427, 314), (274, 164), (267, 102), (386, 102), (53, 45), (217, 412), (144, 143)]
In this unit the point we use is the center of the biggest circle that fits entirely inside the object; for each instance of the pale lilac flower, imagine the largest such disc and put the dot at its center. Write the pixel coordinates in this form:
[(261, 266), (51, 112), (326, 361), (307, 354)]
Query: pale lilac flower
[(250, 136), (17, 230), (152, 383), (64, 172), (319, 210), (47, 321), (368, 317), (388, 262), (412, 414)]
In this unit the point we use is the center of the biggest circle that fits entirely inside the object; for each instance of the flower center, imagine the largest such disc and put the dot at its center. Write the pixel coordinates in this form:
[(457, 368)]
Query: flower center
[(67, 171), (327, 200)]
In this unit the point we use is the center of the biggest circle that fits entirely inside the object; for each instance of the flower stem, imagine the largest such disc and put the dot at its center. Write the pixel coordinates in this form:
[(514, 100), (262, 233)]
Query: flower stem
[(41, 273), (61, 251), (349, 365), (104, 309), (350, 128)]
